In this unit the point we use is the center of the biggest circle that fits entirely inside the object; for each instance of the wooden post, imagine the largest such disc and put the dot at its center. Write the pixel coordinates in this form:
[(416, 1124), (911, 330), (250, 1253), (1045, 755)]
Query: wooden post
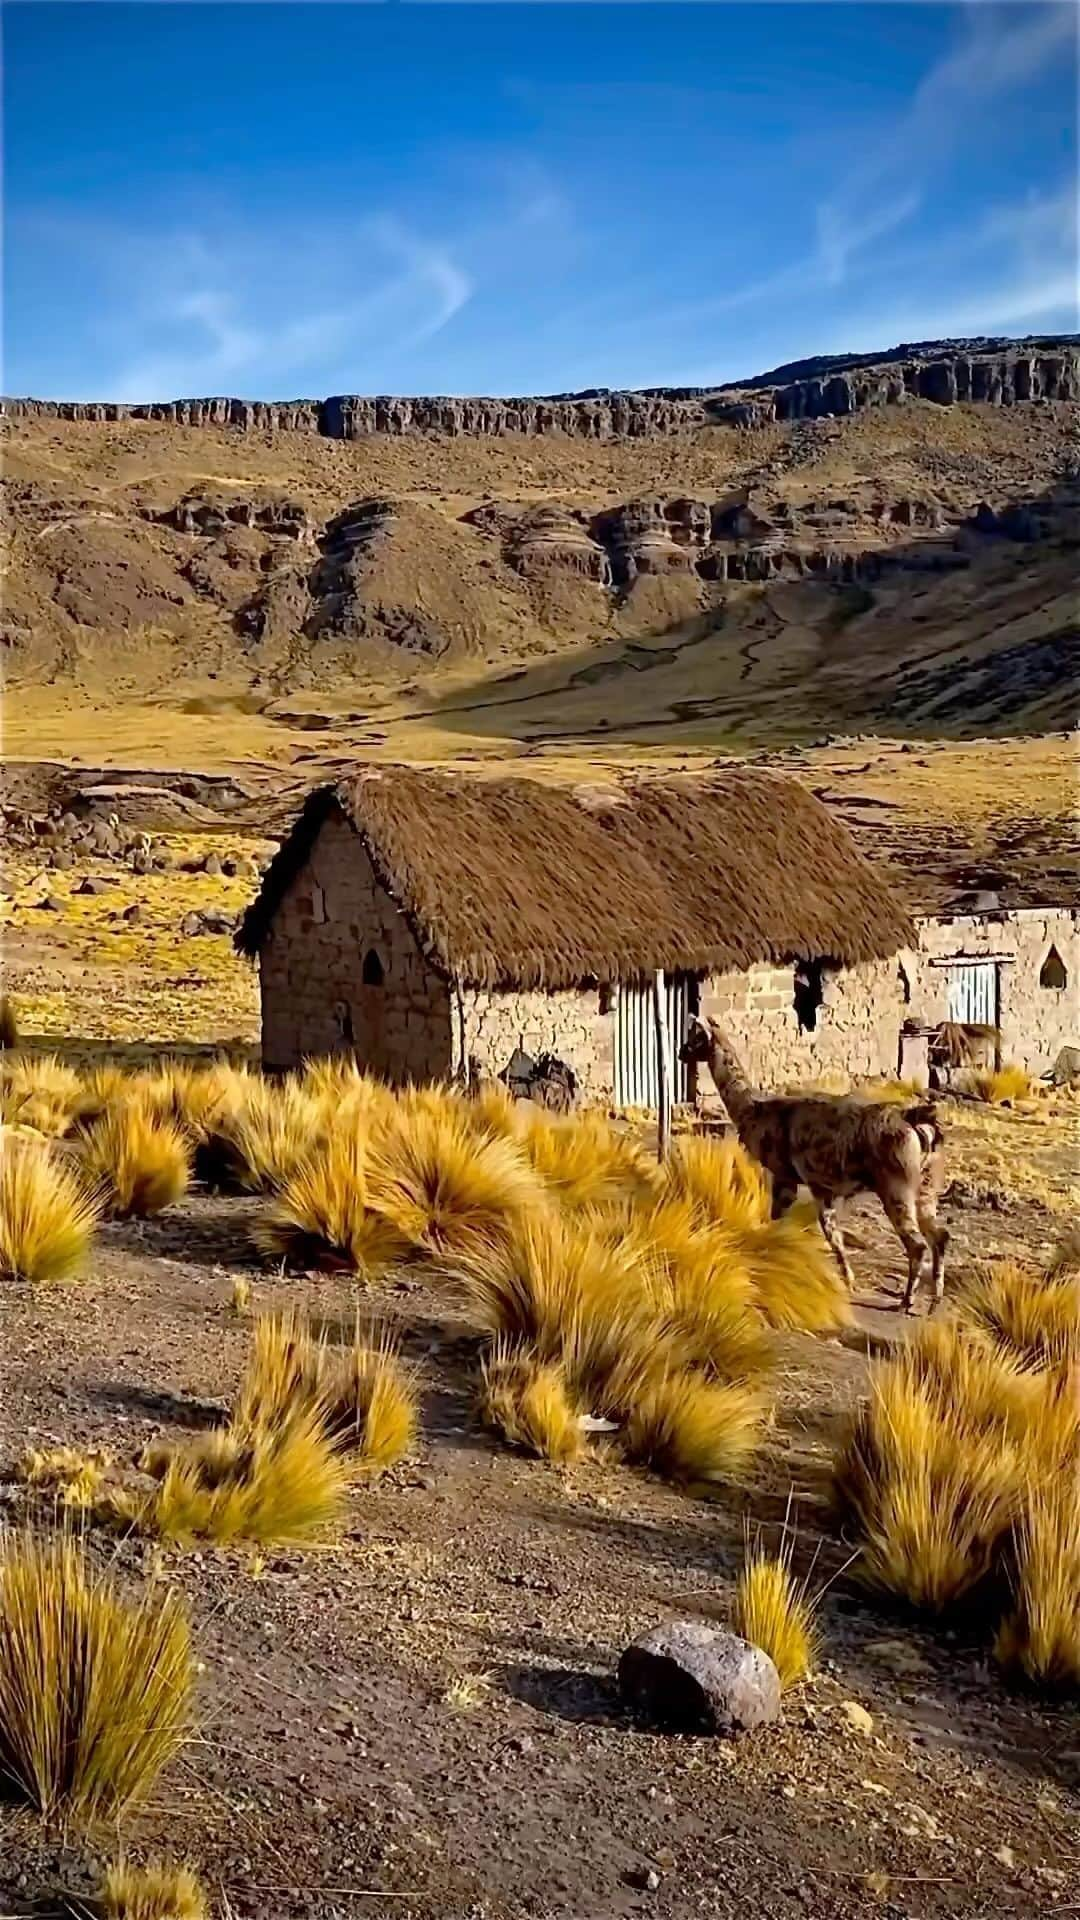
[(663, 1064)]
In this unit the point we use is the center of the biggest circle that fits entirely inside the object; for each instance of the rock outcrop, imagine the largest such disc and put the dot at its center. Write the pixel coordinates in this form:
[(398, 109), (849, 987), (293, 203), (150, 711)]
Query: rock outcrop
[(1011, 374)]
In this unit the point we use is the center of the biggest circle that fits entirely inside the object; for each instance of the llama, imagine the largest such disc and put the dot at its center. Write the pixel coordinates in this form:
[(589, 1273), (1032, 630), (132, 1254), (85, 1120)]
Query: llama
[(837, 1146)]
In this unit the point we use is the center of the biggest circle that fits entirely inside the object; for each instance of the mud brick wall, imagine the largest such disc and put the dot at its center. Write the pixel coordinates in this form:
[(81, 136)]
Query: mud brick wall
[(1036, 1021), (311, 972), (569, 1024), (857, 1030)]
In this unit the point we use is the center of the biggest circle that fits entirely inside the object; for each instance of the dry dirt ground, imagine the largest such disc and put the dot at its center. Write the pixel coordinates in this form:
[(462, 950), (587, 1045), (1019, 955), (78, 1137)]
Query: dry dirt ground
[(418, 1720)]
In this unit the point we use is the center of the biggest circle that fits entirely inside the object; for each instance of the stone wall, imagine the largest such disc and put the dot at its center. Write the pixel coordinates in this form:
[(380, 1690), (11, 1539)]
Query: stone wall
[(1036, 1021), (314, 997), (857, 1030), (569, 1024)]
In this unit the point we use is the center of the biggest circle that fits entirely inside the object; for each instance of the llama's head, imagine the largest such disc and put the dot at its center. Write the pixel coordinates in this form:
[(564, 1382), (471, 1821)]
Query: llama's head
[(697, 1045)]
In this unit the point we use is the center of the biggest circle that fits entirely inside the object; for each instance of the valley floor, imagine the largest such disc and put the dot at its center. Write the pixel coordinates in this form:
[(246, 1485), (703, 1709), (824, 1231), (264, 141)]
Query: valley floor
[(419, 1719)]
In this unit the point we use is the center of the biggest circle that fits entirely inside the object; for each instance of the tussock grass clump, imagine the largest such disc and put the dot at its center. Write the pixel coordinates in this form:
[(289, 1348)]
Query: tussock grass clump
[(363, 1394), (268, 1136), (75, 1479), (39, 1090), (696, 1280), (796, 1283), (47, 1217), (528, 1401), (1066, 1254), (94, 1687), (138, 1163), (775, 1613), (997, 1086), (444, 1186), (281, 1483), (694, 1430), (369, 1401), (324, 1215), (1040, 1638), (9, 1025), (1034, 1316), (582, 1160), (157, 1891), (721, 1179), (933, 1498)]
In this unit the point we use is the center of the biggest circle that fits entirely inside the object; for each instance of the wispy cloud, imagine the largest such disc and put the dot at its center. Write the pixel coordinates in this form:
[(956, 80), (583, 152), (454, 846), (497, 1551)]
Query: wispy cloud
[(884, 186)]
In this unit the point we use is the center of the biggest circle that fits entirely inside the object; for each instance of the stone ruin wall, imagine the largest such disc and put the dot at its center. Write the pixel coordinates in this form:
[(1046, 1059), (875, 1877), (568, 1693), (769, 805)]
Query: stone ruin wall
[(1004, 378), (334, 913), (568, 1023), (857, 1032), (1036, 1021)]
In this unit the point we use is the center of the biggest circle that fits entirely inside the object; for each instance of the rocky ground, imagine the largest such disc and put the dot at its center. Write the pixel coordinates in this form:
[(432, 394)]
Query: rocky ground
[(420, 1718)]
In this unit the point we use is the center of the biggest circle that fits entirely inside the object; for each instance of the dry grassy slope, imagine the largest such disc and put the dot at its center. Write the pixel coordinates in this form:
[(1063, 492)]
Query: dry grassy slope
[(124, 609)]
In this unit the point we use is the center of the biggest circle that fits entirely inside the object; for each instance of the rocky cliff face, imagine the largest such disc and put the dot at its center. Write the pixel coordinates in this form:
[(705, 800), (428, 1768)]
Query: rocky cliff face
[(1010, 376)]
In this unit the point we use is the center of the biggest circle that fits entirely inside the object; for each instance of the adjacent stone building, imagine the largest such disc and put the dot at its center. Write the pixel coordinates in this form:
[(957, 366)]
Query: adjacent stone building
[(432, 923)]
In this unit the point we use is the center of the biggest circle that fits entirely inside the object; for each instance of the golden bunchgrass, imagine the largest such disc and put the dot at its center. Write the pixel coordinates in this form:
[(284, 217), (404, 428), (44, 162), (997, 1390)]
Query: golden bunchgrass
[(94, 1687), (160, 1890), (1040, 1637), (138, 1162), (362, 1393), (1031, 1315), (775, 1613), (997, 1086), (324, 1216), (527, 1400), (369, 1401), (39, 1090), (74, 1479), (721, 1179), (694, 1281), (47, 1216), (796, 1283), (270, 1484), (582, 1159), (445, 1186), (694, 1430), (932, 1470), (269, 1136), (1065, 1258)]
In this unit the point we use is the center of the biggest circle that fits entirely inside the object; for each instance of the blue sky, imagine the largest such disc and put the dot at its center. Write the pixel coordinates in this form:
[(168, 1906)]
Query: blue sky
[(300, 199)]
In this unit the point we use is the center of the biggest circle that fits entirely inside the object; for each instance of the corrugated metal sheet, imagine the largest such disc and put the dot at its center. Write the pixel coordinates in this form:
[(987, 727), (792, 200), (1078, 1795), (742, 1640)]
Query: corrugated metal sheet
[(973, 992), (637, 1072)]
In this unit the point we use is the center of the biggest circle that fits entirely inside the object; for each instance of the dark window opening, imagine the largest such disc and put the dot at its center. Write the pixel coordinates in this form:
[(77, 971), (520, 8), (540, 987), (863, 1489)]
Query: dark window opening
[(809, 992), (1054, 974), (905, 983), (605, 999), (373, 972)]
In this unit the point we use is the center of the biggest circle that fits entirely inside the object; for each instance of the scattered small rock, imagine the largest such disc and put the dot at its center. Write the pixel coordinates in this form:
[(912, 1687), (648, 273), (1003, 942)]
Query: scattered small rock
[(857, 1717), (62, 859), (690, 1674), (132, 914), (52, 903), (1005, 1856), (212, 864), (142, 862), (94, 883), (646, 1878)]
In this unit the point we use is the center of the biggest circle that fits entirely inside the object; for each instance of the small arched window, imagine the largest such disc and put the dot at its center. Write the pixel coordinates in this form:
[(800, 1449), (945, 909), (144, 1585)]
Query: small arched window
[(373, 972), (1054, 974)]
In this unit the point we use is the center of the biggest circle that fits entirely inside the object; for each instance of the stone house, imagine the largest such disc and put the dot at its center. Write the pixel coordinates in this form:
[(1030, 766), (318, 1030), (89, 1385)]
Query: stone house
[(432, 923), (1016, 968)]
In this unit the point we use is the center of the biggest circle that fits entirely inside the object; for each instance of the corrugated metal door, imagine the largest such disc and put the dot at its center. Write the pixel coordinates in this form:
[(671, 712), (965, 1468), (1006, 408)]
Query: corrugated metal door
[(973, 992), (637, 1072)]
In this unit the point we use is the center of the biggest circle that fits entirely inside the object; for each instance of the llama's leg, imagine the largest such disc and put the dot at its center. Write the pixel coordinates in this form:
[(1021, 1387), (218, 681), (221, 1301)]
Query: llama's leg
[(783, 1197), (938, 1238), (902, 1213), (830, 1227)]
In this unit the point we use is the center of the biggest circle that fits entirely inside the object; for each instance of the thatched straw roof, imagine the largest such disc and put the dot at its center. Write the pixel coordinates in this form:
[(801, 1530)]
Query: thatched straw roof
[(514, 883)]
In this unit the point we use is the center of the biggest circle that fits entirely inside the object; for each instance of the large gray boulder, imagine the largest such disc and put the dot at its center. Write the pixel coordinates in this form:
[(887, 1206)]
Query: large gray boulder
[(700, 1678)]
